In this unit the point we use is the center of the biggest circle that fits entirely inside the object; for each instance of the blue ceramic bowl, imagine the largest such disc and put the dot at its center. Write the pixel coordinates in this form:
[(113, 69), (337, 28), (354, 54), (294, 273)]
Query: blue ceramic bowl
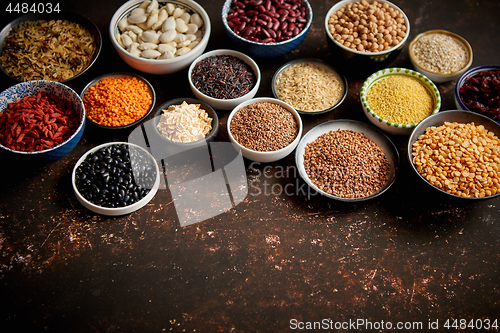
[(265, 50), (30, 88), (471, 72)]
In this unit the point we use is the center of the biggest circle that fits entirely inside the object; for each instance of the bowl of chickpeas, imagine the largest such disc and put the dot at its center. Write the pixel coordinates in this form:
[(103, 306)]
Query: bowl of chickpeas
[(366, 34)]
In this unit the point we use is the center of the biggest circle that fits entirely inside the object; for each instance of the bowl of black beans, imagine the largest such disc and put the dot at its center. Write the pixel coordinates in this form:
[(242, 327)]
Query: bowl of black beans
[(224, 78), (115, 178)]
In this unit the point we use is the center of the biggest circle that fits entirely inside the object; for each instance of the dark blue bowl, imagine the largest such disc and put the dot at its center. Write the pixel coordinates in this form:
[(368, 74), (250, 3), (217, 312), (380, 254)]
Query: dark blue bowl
[(265, 50), (30, 88)]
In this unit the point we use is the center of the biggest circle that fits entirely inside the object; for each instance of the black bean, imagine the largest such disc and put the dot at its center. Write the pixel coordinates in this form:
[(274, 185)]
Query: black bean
[(105, 177)]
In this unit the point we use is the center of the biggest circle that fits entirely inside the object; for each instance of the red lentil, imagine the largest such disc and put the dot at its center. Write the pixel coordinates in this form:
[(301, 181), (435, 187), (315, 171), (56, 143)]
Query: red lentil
[(117, 101), (37, 122)]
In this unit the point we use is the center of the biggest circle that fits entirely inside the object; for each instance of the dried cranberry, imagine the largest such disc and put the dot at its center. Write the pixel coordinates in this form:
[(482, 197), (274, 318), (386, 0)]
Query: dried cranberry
[(481, 93)]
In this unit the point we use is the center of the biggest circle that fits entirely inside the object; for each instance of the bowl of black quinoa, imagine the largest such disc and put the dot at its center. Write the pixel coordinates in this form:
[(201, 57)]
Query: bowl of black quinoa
[(115, 178), (224, 78)]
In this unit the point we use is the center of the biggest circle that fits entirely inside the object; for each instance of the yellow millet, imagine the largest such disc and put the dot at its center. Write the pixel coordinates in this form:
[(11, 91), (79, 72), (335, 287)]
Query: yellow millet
[(400, 99)]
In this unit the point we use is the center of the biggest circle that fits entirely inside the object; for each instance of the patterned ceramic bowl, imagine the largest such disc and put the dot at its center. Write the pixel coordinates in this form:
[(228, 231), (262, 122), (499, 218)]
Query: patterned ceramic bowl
[(61, 91), (384, 124)]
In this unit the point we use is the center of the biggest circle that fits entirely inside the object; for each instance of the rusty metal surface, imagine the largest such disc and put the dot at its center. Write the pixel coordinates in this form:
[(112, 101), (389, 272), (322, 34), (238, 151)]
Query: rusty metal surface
[(410, 255)]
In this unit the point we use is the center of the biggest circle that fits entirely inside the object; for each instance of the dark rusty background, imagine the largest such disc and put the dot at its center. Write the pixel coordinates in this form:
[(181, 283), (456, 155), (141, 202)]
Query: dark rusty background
[(410, 255)]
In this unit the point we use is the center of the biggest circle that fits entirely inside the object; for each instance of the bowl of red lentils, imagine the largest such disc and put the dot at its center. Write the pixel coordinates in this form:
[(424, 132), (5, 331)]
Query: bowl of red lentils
[(41, 118), (347, 160), (264, 129), (478, 90), (118, 100), (366, 34), (397, 99), (440, 55), (457, 153)]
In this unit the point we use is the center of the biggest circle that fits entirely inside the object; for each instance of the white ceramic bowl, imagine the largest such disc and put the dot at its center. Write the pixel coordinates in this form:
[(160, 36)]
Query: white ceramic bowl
[(225, 104), (160, 66), (371, 132), (435, 76), (359, 59), (385, 125), (267, 156), (119, 210)]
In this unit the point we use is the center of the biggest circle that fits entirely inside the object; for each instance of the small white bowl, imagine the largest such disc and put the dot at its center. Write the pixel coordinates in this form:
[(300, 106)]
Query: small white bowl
[(225, 104), (435, 76), (265, 156), (119, 210), (385, 125), (160, 66)]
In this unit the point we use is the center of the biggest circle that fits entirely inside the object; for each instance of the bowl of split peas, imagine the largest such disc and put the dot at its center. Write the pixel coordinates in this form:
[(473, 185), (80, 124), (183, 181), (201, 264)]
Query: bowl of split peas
[(397, 99), (366, 34), (118, 100), (457, 153)]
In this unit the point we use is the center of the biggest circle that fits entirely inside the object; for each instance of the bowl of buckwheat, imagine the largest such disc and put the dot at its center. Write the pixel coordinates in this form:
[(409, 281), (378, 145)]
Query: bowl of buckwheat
[(456, 153), (264, 129), (347, 160), (366, 34), (440, 55)]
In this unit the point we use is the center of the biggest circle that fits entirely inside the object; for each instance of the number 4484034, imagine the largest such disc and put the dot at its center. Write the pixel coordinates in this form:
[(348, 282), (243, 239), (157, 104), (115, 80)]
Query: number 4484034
[(40, 8)]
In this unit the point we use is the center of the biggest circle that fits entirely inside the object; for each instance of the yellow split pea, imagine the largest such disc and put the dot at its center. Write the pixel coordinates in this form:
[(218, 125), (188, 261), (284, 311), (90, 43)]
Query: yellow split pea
[(400, 99)]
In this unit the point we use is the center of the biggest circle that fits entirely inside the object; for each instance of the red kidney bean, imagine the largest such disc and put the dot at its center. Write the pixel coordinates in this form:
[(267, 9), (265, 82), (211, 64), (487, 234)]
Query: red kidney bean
[(267, 21), (37, 123)]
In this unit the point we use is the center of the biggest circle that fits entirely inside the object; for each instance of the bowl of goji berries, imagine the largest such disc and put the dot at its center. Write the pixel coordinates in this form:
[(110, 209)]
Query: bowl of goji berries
[(41, 118)]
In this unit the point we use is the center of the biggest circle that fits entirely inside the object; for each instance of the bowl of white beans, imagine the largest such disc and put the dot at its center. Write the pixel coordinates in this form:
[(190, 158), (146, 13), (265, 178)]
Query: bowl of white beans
[(366, 34), (158, 37)]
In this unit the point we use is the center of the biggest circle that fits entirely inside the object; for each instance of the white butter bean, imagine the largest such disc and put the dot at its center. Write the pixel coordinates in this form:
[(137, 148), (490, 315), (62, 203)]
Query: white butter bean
[(148, 46), (122, 24), (162, 16), (186, 17), (150, 54), (179, 38), (164, 47), (178, 12), (118, 38), (167, 55), (134, 49), (126, 40), (168, 24), (152, 18), (152, 6), (191, 28), (150, 36), (168, 36), (196, 19), (193, 44), (184, 43), (134, 19), (132, 35), (180, 25), (134, 28), (145, 4), (170, 8), (138, 11), (182, 51)]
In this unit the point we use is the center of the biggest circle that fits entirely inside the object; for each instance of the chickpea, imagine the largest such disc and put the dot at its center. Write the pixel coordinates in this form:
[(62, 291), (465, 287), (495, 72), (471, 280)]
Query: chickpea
[(368, 27)]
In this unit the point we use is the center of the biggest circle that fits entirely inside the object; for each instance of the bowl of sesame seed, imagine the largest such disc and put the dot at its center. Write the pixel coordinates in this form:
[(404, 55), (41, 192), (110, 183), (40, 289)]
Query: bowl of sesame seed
[(440, 55), (397, 99), (264, 129)]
